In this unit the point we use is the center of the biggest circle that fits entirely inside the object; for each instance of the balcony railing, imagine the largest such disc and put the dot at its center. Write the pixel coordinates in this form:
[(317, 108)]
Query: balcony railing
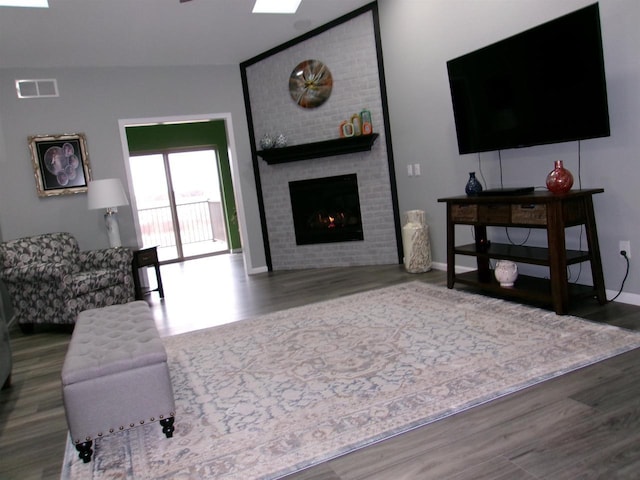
[(198, 222)]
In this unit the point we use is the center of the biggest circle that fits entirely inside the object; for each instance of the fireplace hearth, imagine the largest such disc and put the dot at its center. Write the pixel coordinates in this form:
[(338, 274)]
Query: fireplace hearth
[(326, 210)]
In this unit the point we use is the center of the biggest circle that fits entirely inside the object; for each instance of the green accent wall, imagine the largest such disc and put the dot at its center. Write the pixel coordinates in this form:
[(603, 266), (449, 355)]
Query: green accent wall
[(158, 138)]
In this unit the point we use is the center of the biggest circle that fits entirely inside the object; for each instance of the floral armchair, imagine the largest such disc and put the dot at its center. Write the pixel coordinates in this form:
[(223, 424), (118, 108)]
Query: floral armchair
[(50, 280)]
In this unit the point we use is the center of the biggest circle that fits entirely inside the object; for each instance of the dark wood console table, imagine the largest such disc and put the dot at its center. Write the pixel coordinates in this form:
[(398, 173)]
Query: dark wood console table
[(541, 210)]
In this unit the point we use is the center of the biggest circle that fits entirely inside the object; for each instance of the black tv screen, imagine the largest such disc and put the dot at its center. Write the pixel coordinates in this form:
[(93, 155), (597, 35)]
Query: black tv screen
[(545, 85)]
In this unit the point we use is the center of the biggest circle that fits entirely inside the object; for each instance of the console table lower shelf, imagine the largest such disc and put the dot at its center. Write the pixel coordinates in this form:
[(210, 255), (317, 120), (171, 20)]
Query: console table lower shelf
[(528, 288)]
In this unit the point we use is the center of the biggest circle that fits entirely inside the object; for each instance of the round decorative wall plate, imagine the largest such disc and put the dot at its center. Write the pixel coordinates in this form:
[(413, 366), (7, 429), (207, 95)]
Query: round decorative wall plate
[(310, 84)]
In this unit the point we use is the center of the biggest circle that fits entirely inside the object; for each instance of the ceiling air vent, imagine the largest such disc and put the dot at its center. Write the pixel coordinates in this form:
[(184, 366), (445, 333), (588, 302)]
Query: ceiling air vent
[(37, 88)]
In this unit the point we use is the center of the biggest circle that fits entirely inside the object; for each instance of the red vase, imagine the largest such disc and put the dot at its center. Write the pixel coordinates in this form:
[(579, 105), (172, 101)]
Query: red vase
[(559, 179)]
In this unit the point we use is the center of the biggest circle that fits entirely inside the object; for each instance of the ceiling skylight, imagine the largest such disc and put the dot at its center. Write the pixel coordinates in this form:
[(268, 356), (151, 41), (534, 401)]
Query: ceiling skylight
[(276, 6), (25, 3)]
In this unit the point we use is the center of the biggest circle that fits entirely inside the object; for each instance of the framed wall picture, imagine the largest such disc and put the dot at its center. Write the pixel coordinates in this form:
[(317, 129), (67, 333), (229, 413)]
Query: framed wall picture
[(60, 164)]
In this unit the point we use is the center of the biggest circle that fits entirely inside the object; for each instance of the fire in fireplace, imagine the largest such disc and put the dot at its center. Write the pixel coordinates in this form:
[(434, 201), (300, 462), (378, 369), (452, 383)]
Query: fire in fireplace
[(326, 210)]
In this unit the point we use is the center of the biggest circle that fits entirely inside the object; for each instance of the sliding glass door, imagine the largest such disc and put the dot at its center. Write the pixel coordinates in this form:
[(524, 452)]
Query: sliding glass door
[(179, 205)]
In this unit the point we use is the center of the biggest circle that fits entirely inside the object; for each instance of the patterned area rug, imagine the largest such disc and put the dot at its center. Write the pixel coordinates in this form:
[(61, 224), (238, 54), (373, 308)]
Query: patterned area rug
[(272, 395)]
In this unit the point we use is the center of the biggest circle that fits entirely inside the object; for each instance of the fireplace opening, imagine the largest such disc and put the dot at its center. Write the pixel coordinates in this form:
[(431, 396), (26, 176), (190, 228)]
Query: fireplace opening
[(326, 210)]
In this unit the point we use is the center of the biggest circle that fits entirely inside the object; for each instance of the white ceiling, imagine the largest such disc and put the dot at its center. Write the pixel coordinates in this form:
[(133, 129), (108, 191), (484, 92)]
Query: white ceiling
[(98, 33)]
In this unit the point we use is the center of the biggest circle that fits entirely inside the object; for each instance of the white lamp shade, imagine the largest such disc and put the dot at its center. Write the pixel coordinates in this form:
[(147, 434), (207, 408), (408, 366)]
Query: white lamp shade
[(107, 193)]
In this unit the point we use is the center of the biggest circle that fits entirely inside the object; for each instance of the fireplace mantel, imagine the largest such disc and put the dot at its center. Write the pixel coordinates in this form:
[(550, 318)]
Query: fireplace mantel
[(327, 148)]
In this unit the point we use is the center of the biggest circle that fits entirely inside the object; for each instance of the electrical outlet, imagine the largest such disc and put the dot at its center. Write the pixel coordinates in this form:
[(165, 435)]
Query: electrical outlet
[(626, 246)]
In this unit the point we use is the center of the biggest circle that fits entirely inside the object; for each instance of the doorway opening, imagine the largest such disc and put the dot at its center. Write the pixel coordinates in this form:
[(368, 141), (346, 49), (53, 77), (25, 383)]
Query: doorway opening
[(183, 194), (179, 203)]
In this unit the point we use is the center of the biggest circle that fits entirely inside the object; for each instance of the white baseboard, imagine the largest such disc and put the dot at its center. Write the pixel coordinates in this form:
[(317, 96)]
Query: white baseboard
[(630, 298), (256, 270), (439, 266)]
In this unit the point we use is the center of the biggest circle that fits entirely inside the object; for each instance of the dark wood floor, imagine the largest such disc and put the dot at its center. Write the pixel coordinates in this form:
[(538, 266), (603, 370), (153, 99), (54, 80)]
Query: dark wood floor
[(582, 425)]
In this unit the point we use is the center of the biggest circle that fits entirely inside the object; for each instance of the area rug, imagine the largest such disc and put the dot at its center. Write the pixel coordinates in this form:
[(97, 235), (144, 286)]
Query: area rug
[(272, 395)]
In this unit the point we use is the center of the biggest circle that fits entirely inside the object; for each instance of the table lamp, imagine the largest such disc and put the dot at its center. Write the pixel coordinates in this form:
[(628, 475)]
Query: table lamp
[(109, 194)]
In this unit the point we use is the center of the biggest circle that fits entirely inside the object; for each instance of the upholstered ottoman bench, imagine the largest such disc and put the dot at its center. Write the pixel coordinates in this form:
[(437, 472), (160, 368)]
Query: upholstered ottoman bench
[(115, 375)]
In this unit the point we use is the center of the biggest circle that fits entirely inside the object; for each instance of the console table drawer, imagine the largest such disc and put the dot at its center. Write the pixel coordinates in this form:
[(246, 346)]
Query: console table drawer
[(529, 214), (145, 257), (494, 213), (464, 213)]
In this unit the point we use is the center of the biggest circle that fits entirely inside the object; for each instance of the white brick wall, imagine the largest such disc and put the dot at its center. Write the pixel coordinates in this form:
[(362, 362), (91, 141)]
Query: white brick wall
[(349, 52)]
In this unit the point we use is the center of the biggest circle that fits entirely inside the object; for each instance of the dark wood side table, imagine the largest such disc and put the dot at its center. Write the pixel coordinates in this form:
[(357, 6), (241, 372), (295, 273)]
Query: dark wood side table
[(542, 210), (146, 257)]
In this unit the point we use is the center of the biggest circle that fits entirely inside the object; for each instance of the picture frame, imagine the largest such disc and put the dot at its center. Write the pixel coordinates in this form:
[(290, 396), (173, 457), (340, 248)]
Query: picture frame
[(60, 164)]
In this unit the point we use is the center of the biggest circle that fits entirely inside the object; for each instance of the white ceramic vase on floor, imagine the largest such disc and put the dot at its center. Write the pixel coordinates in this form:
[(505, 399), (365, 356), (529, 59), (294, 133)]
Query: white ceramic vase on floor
[(415, 242)]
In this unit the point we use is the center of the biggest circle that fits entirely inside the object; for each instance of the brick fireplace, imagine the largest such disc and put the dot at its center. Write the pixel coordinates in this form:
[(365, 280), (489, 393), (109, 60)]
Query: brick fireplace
[(378, 246), (350, 49)]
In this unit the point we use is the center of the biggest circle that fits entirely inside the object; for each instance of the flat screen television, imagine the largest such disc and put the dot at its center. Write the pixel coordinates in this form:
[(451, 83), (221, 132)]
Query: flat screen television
[(544, 85)]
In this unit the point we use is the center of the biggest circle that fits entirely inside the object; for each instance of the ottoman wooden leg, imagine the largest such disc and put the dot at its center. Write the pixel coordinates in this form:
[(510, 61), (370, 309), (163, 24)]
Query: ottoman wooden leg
[(167, 426), (85, 451)]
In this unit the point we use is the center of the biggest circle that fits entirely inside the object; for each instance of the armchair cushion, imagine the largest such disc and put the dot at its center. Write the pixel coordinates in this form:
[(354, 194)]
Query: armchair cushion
[(50, 280), (93, 280)]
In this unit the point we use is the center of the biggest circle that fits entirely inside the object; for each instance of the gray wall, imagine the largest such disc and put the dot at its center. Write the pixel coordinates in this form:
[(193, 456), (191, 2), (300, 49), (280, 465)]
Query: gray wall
[(418, 37), (92, 101)]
